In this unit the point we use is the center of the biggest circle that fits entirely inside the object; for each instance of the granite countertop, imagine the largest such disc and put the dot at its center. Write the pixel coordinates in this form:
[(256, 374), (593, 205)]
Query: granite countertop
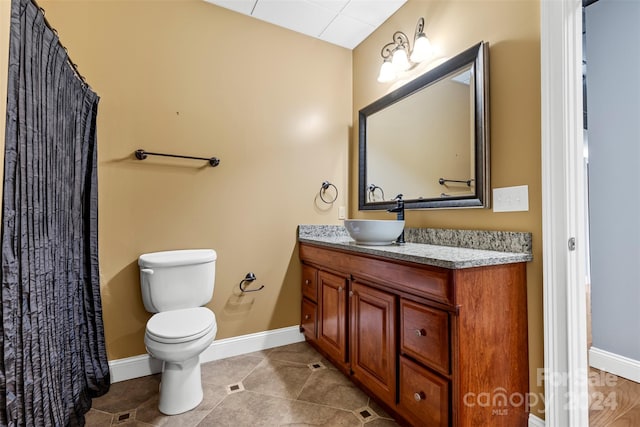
[(440, 248)]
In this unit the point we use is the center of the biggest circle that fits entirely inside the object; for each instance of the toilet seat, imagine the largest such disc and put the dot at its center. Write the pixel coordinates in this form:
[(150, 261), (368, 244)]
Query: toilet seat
[(177, 326)]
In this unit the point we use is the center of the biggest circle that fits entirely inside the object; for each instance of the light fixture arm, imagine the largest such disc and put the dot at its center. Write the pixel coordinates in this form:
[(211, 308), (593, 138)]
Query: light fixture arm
[(419, 29), (400, 55), (401, 40), (387, 50)]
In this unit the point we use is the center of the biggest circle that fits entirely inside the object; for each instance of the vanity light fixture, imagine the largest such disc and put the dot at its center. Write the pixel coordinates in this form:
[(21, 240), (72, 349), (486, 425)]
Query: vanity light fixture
[(398, 55)]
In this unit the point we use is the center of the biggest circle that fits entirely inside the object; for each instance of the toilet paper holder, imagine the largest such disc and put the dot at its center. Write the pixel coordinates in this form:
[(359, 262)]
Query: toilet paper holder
[(250, 277)]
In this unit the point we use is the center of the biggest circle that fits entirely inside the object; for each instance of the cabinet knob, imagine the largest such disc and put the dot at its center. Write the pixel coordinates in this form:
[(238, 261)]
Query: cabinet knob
[(419, 396), (339, 288), (307, 282), (421, 332), (306, 317), (350, 293)]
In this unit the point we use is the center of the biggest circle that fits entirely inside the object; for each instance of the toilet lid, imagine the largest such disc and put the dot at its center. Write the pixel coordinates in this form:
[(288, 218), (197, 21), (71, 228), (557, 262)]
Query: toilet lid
[(180, 325)]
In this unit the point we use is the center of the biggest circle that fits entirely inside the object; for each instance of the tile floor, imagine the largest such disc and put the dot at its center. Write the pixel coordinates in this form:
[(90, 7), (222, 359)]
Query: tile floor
[(294, 386), (290, 385)]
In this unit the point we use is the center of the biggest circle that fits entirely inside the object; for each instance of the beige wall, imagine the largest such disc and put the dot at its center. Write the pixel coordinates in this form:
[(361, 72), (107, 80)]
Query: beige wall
[(512, 29), (190, 78)]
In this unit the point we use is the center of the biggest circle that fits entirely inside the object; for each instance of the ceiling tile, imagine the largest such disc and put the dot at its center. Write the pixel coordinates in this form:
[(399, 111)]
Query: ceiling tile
[(297, 15), (373, 12), (342, 22), (346, 32), (334, 6), (242, 6)]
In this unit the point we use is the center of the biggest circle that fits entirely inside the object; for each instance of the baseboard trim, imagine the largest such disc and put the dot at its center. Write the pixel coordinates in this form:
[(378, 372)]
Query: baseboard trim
[(133, 367), (535, 421), (615, 364), (143, 365)]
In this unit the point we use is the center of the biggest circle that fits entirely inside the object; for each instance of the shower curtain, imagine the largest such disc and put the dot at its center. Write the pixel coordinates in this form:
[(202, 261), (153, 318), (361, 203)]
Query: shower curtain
[(53, 358)]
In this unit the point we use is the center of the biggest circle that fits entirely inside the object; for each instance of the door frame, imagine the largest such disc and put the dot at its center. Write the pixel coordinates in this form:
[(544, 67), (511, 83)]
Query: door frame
[(563, 215)]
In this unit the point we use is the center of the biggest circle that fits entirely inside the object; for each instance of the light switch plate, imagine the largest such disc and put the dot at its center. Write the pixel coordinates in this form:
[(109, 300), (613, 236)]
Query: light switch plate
[(511, 199)]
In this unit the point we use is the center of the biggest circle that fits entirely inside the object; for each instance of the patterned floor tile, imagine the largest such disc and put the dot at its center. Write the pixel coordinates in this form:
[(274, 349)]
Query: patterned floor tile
[(291, 386)]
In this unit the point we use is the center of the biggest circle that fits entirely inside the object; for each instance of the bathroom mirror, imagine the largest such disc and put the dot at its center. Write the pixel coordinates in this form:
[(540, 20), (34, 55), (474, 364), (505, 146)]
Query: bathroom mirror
[(429, 139)]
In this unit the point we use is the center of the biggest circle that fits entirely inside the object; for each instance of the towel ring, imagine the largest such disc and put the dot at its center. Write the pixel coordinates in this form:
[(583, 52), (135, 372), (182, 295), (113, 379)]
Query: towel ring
[(323, 189), (371, 192)]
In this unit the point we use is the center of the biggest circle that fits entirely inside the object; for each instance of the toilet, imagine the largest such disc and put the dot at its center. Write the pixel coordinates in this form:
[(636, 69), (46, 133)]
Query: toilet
[(176, 285)]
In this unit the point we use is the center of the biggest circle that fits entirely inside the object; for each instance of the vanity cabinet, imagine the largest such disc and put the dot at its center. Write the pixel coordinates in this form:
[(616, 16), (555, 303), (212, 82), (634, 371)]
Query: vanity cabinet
[(434, 346)]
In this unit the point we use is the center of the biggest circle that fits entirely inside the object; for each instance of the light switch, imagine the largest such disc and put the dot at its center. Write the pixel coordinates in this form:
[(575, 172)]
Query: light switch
[(341, 212), (511, 199)]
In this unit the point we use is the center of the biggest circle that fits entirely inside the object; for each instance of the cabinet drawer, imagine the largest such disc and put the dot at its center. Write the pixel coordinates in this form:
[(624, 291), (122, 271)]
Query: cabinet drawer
[(424, 396), (309, 283), (424, 334), (309, 318)]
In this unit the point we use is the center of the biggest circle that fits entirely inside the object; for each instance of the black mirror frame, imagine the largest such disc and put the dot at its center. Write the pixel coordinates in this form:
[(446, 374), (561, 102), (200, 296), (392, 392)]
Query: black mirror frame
[(478, 57)]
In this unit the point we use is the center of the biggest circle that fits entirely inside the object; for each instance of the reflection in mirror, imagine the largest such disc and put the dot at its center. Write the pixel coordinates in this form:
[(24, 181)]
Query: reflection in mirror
[(428, 139)]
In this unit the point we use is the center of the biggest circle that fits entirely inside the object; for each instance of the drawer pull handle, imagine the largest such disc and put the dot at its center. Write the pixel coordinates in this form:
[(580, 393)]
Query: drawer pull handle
[(421, 332), (419, 396), (307, 282), (306, 317)]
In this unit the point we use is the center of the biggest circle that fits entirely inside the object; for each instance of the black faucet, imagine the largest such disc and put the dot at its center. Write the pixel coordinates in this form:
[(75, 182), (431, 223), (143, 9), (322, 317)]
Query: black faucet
[(399, 209)]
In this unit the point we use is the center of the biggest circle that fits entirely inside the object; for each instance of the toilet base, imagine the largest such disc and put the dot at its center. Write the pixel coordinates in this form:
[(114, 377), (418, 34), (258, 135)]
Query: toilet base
[(180, 387)]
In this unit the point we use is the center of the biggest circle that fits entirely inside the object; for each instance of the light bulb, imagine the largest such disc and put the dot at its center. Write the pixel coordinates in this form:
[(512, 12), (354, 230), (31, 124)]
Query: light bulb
[(400, 60), (387, 72), (422, 49)]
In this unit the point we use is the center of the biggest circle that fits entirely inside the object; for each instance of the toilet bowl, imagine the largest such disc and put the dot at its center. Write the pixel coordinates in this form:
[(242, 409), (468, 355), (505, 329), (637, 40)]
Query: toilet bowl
[(177, 338), (175, 285)]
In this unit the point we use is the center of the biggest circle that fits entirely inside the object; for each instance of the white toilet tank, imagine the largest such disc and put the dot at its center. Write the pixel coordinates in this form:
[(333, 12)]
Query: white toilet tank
[(173, 280)]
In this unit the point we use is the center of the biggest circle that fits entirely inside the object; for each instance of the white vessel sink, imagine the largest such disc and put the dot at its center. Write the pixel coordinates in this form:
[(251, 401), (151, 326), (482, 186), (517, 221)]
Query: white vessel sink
[(374, 232)]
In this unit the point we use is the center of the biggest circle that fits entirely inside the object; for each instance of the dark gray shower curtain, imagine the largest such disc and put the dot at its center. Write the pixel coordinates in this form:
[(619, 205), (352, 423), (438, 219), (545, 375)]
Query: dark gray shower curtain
[(53, 358)]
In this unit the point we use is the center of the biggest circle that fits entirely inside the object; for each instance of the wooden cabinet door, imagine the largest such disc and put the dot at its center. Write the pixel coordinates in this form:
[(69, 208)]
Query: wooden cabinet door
[(373, 340), (332, 315)]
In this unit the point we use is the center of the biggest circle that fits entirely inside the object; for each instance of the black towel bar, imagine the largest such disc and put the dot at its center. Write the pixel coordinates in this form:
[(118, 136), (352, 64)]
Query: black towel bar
[(443, 181), (141, 155)]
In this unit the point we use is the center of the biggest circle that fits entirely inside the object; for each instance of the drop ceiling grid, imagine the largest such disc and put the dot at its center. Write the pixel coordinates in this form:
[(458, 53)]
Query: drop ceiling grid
[(345, 23)]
